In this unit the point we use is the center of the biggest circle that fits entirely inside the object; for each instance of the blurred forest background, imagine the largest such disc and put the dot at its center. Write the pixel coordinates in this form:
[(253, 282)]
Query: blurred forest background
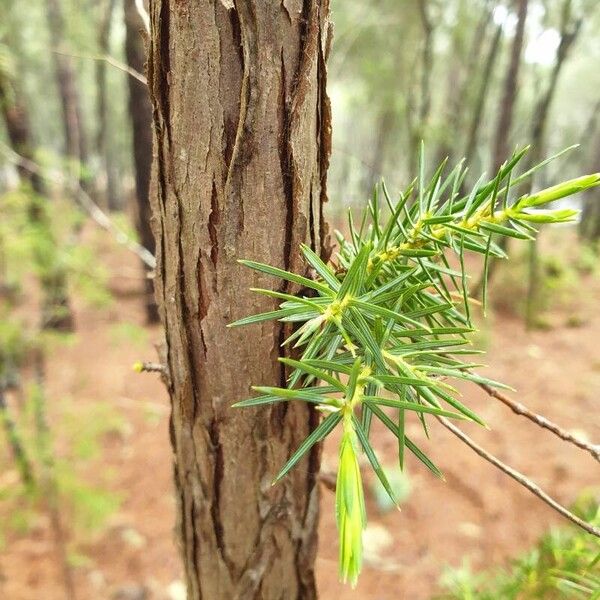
[(86, 507)]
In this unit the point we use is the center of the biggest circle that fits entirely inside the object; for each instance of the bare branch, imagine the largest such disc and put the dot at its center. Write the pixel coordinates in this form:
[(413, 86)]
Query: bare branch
[(85, 201), (519, 478), (520, 409), (110, 60), (150, 367)]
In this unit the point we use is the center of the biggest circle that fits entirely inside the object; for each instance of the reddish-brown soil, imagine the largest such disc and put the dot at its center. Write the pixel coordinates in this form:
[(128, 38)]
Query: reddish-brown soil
[(477, 513)]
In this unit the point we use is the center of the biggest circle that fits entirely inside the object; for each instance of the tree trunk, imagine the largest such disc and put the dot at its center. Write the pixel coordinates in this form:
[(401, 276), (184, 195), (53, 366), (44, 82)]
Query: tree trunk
[(140, 111), (568, 34), (418, 124), (482, 93), (18, 131), (589, 227), (242, 127), (505, 119), (76, 148), (460, 79), (103, 139), (56, 309), (504, 125)]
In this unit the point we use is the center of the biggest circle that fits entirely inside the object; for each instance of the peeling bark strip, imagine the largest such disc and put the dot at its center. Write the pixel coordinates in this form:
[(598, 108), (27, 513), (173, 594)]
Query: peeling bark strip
[(242, 129)]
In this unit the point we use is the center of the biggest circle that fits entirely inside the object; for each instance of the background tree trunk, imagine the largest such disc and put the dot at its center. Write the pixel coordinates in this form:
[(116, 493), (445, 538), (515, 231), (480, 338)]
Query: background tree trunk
[(56, 308), (589, 228), (242, 126), (18, 130), (482, 94), (104, 125), (568, 34), (140, 110), (507, 104), (76, 147), (501, 148)]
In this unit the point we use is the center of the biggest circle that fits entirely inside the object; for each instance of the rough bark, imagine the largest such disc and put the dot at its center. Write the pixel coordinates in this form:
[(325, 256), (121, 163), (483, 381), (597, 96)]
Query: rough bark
[(507, 105), (242, 129), (76, 147), (140, 111), (103, 132)]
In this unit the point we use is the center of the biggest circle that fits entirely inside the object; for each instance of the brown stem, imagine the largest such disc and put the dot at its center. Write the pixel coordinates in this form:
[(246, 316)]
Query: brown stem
[(519, 478), (542, 421)]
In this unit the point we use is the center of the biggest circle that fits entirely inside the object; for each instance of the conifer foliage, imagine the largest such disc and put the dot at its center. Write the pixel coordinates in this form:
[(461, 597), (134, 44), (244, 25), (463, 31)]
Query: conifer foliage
[(383, 329)]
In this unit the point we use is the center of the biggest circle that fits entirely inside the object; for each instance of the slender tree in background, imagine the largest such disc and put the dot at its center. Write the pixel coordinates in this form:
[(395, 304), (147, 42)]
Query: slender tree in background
[(18, 129), (482, 94), (242, 127), (589, 228), (418, 115), (569, 30), (140, 111), (505, 117), (507, 104), (76, 146), (103, 126), (462, 71), (56, 309)]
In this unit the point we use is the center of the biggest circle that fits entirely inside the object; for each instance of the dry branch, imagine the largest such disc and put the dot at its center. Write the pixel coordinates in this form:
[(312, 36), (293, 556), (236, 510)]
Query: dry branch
[(520, 409), (519, 478)]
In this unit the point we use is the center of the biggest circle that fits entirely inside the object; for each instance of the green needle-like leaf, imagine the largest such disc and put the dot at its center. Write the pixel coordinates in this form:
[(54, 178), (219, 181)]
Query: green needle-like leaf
[(392, 313), (281, 274), (414, 406), (320, 433), (364, 441)]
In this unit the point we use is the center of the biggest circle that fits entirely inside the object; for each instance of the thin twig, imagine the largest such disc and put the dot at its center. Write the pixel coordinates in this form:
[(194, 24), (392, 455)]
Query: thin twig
[(542, 421), (85, 201), (151, 367), (519, 478), (108, 59)]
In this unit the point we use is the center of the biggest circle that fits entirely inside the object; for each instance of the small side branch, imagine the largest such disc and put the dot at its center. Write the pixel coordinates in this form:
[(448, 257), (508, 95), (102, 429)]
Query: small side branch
[(519, 478), (113, 62), (150, 367), (154, 367), (542, 421)]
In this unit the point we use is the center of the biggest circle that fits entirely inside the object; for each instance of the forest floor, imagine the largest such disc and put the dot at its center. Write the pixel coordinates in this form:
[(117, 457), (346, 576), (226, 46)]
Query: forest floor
[(477, 514)]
